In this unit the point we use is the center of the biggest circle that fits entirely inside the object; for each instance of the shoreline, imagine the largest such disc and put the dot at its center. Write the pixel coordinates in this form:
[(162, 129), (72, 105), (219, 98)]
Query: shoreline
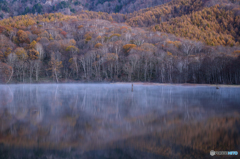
[(177, 84), (134, 83)]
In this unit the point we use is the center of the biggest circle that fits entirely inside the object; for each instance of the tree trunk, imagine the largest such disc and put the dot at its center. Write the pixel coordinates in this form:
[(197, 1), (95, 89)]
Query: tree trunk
[(10, 76), (55, 71)]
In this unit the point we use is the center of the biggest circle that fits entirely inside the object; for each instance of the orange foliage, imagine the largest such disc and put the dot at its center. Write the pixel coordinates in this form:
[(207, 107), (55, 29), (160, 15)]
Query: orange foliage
[(214, 26), (169, 53), (110, 57), (80, 26), (98, 45), (5, 72), (88, 37), (63, 33), (8, 51), (72, 42), (44, 34), (128, 47), (33, 44), (72, 48), (22, 36), (177, 44), (1, 55), (117, 35), (236, 53), (124, 28), (21, 53), (33, 54), (38, 39)]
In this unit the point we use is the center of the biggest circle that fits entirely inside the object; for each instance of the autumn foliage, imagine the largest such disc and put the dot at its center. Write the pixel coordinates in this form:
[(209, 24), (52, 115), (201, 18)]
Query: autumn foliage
[(128, 47), (64, 33), (22, 36), (98, 45), (5, 72), (181, 41)]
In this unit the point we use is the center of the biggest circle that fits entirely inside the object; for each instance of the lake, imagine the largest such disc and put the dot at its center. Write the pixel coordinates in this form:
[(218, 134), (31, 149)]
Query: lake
[(66, 121)]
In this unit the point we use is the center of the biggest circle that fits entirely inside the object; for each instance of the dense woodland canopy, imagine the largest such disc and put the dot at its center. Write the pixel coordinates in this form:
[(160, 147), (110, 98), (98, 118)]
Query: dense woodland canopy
[(181, 41), (17, 7)]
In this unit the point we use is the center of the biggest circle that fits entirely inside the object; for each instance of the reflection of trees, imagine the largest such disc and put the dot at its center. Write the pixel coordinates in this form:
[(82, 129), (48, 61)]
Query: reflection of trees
[(86, 114), (6, 95)]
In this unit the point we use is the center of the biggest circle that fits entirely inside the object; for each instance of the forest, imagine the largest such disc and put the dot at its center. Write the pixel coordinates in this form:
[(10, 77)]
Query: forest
[(182, 41), (9, 8)]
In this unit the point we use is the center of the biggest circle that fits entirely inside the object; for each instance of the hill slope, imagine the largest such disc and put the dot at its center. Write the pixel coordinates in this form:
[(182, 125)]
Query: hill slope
[(20, 7), (66, 47), (213, 22), (181, 41)]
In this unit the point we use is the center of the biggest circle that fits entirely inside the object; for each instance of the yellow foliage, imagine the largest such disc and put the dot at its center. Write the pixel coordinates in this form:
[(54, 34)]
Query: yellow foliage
[(44, 34), (169, 53), (98, 38), (124, 28), (22, 36), (50, 37), (72, 48), (21, 53), (98, 45), (8, 51), (33, 44), (117, 35), (70, 60), (148, 47), (15, 40), (38, 39), (1, 55), (111, 57), (33, 54), (236, 53), (213, 25), (128, 47), (55, 65), (58, 37), (177, 44), (88, 38), (72, 42)]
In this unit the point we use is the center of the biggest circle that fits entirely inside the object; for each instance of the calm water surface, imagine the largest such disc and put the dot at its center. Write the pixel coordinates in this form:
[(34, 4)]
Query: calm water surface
[(110, 121)]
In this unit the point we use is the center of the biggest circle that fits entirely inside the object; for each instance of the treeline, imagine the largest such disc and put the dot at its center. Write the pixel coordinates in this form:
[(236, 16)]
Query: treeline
[(56, 47), (122, 6)]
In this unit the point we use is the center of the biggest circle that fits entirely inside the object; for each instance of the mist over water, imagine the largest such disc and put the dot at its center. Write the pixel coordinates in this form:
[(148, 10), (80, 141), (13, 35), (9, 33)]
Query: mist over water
[(111, 121)]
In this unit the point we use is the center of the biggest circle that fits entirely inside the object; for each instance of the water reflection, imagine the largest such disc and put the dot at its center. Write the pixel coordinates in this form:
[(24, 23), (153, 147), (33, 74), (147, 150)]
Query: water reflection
[(160, 121)]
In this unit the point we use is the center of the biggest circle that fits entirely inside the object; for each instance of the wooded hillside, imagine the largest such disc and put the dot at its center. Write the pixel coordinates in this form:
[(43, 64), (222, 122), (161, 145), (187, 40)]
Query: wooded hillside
[(63, 48), (178, 42)]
